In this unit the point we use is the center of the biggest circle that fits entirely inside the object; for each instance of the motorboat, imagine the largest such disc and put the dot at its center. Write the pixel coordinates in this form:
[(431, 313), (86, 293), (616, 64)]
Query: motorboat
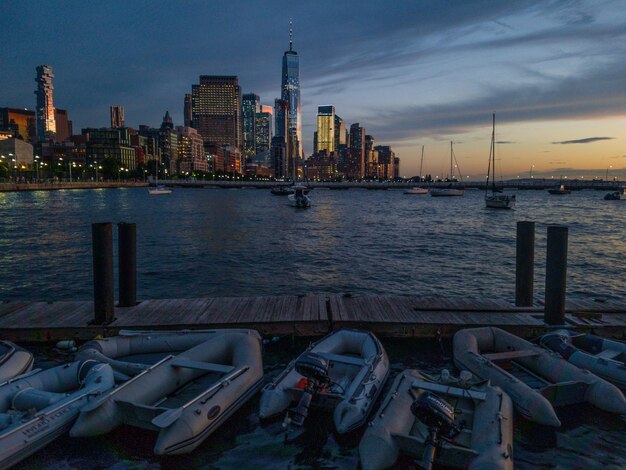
[(38, 407), (534, 378), (133, 351), (604, 357), (470, 424), (14, 360), (616, 195), (282, 191), (159, 190), (299, 197), (184, 397), (343, 373), (561, 190), (496, 200)]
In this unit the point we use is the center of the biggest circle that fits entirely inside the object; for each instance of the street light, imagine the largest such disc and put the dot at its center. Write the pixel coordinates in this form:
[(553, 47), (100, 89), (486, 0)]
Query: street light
[(37, 165), (606, 177)]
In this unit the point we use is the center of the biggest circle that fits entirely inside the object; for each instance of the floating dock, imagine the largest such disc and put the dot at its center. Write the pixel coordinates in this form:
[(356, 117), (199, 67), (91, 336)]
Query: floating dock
[(311, 315)]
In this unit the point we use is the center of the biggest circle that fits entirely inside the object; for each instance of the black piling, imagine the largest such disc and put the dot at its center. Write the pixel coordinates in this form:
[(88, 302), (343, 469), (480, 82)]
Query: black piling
[(525, 264), (556, 275), (127, 239), (102, 240)]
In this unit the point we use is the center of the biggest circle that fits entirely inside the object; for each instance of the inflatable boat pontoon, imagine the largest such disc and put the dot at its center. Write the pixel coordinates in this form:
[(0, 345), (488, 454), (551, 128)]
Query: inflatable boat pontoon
[(482, 420), (343, 372), (534, 378)]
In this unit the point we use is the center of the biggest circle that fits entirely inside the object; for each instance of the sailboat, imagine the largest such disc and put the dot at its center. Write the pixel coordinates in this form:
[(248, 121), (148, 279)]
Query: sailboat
[(417, 189), (450, 190), (158, 189), (495, 200)]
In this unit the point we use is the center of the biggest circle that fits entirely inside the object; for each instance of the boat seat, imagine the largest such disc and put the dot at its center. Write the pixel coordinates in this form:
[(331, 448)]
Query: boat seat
[(199, 365), (609, 354), (140, 415), (508, 355), (355, 361), (449, 390)]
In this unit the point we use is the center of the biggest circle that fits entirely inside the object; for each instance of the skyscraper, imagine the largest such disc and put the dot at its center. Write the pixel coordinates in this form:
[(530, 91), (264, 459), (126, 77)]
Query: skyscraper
[(188, 110), (290, 92), (46, 124), (263, 137), (216, 109), (355, 167), (251, 105), (325, 128), (117, 117)]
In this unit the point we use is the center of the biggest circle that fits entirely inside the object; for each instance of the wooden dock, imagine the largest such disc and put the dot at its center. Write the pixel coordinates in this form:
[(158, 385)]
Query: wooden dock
[(312, 315)]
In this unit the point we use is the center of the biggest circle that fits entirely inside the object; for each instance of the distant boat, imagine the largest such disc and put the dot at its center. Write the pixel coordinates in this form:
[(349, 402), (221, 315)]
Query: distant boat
[(496, 200), (281, 191), (299, 198), (450, 190), (417, 189), (616, 195), (158, 189), (561, 190)]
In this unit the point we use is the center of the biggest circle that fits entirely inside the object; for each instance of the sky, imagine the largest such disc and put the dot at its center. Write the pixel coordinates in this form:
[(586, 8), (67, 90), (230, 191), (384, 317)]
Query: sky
[(414, 73)]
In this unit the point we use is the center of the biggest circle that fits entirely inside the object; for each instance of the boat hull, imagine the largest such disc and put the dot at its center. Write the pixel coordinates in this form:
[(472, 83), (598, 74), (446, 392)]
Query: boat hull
[(500, 201), (446, 192), (14, 361), (416, 191)]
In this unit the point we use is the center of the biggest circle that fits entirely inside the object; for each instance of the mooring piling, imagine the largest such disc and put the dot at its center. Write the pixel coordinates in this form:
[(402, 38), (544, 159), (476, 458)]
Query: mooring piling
[(103, 291), (524, 264), (556, 275), (127, 264)]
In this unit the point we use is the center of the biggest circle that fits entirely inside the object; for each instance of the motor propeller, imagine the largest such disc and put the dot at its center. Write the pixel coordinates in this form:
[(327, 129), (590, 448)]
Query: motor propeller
[(315, 369)]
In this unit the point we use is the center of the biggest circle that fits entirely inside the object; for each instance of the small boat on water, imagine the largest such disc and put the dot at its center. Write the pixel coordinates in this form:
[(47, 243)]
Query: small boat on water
[(299, 197), (451, 189), (14, 360), (159, 190), (476, 432), (496, 200), (417, 190), (616, 195), (282, 191), (343, 373), (560, 191), (535, 379), (40, 406), (132, 352), (604, 357), (183, 397)]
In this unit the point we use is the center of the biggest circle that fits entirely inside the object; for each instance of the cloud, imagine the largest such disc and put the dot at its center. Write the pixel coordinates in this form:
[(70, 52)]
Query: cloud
[(586, 140)]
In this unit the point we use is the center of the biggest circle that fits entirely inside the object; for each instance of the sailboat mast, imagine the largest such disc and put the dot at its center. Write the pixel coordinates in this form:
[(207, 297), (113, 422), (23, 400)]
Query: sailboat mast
[(451, 174), (421, 163), (493, 145)]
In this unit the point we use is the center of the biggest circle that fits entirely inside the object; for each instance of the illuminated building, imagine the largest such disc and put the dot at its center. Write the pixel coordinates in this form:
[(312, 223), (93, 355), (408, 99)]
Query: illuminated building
[(355, 165), (263, 125), (190, 150), (63, 125), (250, 106), (216, 110), (46, 124), (290, 92), (117, 117), (188, 110), (325, 128), (20, 121)]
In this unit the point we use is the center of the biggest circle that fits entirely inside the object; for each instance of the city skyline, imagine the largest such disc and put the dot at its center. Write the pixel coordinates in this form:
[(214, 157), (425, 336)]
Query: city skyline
[(421, 74)]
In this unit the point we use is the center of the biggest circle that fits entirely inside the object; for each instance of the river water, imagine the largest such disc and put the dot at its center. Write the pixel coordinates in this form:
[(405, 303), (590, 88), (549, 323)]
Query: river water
[(200, 242)]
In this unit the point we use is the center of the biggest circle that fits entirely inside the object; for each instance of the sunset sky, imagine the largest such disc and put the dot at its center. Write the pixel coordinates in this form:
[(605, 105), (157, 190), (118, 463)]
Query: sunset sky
[(412, 73)]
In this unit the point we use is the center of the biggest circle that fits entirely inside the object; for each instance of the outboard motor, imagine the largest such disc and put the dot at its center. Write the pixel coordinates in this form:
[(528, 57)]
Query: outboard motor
[(438, 415), (315, 368)]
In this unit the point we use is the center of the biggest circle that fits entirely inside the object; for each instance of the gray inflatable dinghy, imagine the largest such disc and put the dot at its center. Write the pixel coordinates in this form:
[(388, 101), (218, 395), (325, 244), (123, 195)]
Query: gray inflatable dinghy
[(534, 378), (343, 372), (482, 424), (604, 357), (40, 406), (185, 397), (14, 361)]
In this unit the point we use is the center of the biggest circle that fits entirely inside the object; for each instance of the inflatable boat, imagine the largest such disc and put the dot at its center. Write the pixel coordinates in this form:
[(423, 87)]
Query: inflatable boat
[(132, 352), (343, 372), (478, 433), (185, 397), (14, 361), (534, 378), (603, 357), (40, 406)]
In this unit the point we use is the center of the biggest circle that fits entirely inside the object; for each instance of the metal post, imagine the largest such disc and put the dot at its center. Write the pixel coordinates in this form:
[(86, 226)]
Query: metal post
[(556, 275), (127, 240), (524, 264), (102, 239)]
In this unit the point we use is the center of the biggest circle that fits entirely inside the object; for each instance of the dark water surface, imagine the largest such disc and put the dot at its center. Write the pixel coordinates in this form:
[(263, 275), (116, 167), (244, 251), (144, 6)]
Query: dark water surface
[(200, 242)]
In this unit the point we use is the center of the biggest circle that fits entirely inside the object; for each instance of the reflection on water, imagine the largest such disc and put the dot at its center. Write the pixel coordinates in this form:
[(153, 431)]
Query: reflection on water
[(588, 439), (198, 242)]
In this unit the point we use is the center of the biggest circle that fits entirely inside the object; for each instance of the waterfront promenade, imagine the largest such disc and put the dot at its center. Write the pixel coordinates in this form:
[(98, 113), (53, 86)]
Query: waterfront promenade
[(13, 187), (310, 315)]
